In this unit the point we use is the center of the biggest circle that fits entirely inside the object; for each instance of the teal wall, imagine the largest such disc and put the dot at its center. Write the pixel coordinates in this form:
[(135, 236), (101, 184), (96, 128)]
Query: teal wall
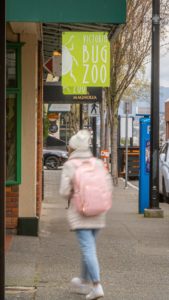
[(66, 11)]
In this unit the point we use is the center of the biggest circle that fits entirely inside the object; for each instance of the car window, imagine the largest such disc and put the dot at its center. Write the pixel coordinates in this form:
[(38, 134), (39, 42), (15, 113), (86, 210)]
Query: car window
[(167, 153), (164, 149), (53, 142)]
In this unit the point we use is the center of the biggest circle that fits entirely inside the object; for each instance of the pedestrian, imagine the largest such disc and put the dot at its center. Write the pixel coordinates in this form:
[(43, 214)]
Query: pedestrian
[(85, 227)]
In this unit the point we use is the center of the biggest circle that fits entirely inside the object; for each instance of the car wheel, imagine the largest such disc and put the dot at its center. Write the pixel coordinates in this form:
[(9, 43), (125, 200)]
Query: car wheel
[(52, 163), (165, 196)]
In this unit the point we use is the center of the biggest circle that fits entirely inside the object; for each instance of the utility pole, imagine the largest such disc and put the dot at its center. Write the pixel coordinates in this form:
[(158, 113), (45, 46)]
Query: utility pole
[(81, 116), (126, 173), (154, 169), (2, 148), (94, 129), (155, 211)]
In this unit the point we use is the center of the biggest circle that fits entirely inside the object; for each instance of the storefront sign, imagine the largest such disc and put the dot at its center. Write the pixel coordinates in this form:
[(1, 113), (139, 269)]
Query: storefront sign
[(79, 90), (59, 107), (54, 94), (85, 59), (53, 116)]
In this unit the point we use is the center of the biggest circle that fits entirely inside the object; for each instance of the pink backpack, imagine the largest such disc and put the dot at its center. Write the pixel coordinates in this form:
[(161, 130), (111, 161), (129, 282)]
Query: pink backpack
[(92, 194)]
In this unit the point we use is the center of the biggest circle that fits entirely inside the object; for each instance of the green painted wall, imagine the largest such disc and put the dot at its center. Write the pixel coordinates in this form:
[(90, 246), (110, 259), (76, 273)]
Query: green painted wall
[(83, 11)]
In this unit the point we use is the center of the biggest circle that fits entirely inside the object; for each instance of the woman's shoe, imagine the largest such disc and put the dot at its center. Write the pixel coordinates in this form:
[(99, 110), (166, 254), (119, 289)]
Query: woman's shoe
[(96, 293), (79, 287)]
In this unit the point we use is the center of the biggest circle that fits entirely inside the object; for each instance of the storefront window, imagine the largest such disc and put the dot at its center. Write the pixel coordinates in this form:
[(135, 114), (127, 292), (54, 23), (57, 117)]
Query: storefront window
[(11, 68), (13, 114)]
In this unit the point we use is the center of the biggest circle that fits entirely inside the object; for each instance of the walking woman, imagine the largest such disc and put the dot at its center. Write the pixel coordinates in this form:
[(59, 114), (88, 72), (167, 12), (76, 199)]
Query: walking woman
[(85, 227)]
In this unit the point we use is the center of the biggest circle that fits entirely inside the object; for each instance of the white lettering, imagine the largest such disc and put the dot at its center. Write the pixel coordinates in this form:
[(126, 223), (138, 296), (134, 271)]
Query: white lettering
[(95, 54), (94, 74), (85, 75), (79, 90), (103, 74), (85, 54), (95, 38), (104, 54)]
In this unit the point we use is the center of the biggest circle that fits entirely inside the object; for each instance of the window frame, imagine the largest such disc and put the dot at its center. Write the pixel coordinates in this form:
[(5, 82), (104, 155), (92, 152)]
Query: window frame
[(16, 91)]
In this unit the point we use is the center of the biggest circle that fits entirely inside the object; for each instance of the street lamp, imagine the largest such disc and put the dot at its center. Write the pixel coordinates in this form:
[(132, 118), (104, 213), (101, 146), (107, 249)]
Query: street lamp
[(154, 210), (66, 116), (126, 144), (154, 174)]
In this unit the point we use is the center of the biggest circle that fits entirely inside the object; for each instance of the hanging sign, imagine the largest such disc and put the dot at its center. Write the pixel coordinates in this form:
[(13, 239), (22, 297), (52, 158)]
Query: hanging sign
[(93, 110), (53, 116), (53, 93), (53, 65), (59, 108), (85, 59), (80, 90)]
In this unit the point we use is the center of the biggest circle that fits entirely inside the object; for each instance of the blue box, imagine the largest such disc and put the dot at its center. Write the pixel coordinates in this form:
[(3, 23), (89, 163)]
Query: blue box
[(144, 178)]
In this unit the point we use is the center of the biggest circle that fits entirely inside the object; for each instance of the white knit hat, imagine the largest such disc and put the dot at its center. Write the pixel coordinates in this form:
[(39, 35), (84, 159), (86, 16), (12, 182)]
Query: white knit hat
[(81, 140)]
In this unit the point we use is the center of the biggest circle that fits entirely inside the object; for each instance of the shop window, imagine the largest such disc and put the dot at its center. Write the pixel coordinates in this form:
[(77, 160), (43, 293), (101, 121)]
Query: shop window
[(13, 114), (11, 68)]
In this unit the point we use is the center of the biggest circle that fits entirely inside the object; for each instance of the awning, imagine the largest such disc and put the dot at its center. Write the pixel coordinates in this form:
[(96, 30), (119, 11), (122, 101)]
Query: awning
[(95, 11)]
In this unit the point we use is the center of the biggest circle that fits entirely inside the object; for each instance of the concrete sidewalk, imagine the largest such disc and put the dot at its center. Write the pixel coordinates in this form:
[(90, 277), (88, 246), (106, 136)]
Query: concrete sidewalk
[(133, 252)]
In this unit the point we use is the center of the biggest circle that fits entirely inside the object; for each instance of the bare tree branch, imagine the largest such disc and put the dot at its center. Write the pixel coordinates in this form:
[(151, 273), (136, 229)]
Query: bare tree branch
[(128, 53)]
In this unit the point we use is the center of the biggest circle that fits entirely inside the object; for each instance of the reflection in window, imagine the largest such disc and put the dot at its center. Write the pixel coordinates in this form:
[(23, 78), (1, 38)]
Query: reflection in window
[(11, 76), (11, 133)]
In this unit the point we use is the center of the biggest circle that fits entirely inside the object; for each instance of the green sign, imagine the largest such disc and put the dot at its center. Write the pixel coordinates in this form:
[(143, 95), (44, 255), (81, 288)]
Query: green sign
[(95, 11), (85, 59), (80, 90)]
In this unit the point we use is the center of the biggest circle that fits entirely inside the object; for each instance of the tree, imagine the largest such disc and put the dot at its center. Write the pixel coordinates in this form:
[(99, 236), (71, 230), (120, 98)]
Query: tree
[(139, 88), (128, 52)]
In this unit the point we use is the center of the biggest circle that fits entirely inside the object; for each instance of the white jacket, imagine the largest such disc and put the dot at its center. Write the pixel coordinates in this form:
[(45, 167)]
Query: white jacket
[(76, 220)]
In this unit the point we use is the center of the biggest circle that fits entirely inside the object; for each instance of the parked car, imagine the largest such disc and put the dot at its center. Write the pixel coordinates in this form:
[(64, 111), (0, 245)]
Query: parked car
[(54, 153), (52, 159), (164, 172), (52, 142)]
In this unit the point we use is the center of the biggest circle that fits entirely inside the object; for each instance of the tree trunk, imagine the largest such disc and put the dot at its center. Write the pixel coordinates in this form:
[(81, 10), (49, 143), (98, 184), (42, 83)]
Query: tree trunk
[(102, 123), (114, 152), (114, 141), (107, 134), (105, 130)]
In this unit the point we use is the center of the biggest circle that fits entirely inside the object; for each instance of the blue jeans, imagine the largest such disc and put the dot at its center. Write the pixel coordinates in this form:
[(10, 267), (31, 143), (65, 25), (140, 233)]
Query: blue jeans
[(90, 264)]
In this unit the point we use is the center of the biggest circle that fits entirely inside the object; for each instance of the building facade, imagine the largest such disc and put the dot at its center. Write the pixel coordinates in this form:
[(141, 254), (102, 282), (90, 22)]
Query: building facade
[(24, 127)]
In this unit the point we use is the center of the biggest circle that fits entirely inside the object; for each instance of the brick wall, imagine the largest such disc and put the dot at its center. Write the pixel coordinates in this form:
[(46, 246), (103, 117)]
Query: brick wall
[(12, 203), (39, 131)]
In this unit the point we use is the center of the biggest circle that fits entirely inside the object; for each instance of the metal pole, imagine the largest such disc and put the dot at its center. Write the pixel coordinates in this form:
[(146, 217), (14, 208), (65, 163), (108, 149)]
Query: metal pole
[(126, 173), (94, 136), (154, 156), (66, 119), (2, 148), (81, 116)]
